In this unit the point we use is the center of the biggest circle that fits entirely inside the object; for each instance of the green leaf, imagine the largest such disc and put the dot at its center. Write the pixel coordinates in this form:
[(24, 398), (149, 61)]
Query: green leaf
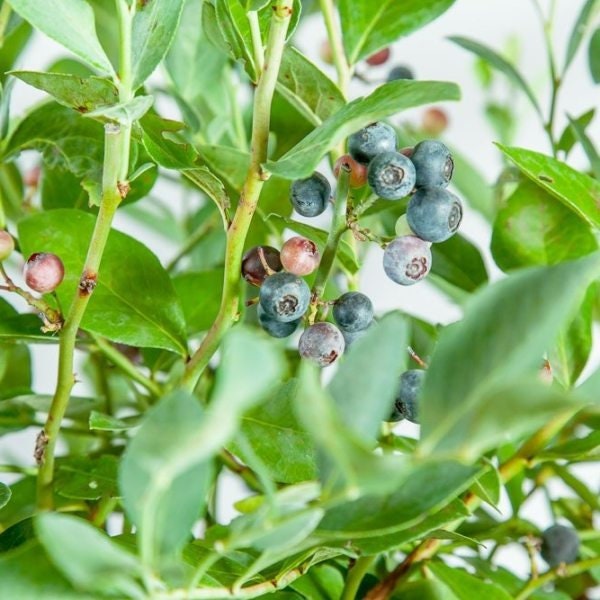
[(134, 301), (475, 356), (154, 27), (586, 142), (573, 449), (200, 296), (459, 263), (533, 228), (567, 139), (426, 589), (15, 379), (576, 190), (16, 38), (323, 582), (277, 438), (83, 478), (499, 63), (164, 505), (594, 56), (367, 28), (14, 326), (5, 494), (84, 94), (102, 422), (307, 88), (429, 487), (365, 384), (580, 28), (465, 586), (86, 556), (71, 24), (345, 255), (387, 100), (166, 468), (124, 113)]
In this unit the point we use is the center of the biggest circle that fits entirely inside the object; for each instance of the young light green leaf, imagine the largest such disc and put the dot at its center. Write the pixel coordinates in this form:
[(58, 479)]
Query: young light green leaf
[(367, 27), (154, 27), (567, 139), (307, 88), (580, 28), (124, 113), (586, 142), (465, 586), (5, 494), (475, 356), (387, 100), (594, 56), (83, 478), (71, 24), (499, 63), (134, 301), (84, 94), (576, 190), (367, 380), (86, 556), (534, 228)]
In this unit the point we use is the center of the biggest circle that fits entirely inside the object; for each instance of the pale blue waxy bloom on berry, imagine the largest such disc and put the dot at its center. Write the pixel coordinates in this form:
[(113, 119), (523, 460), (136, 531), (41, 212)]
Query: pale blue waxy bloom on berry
[(284, 297), (391, 175), (366, 144), (434, 214)]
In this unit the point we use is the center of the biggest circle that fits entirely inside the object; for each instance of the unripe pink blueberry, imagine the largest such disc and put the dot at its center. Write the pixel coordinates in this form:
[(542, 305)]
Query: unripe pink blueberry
[(43, 272), (300, 256), (7, 245)]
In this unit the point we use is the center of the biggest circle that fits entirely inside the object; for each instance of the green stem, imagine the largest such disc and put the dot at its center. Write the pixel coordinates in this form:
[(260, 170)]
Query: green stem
[(257, 44), (119, 360), (560, 572), (116, 164), (355, 577), (338, 227), (238, 230), (4, 18), (337, 46)]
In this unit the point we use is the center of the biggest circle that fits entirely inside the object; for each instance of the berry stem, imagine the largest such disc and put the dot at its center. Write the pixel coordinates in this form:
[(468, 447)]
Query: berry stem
[(117, 140), (257, 45), (355, 577), (338, 227), (508, 470), (337, 46), (255, 179), (560, 572)]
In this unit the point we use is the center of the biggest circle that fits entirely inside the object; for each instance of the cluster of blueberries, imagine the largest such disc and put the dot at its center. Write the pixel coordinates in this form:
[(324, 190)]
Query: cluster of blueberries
[(433, 215)]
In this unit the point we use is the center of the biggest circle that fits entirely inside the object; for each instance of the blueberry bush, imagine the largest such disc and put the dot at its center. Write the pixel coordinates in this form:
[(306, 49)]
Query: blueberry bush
[(372, 455)]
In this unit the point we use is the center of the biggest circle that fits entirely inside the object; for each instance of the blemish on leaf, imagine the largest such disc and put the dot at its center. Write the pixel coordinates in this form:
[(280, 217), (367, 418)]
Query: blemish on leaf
[(545, 178)]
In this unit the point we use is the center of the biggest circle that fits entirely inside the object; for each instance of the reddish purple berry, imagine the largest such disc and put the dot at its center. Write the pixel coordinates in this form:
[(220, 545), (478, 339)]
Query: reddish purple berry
[(300, 256), (321, 343), (7, 245), (357, 171), (379, 58), (253, 270), (43, 272)]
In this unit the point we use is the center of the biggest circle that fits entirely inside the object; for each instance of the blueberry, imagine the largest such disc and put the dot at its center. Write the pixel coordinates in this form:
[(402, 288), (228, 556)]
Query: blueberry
[(366, 144), (275, 328), (7, 245), (321, 343), (406, 404), (433, 164), (560, 544), (391, 175), (352, 336), (400, 72), (434, 214), (253, 270), (407, 260), (300, 256), (353, 311), (284, 297), (310, 196), (43, 272)]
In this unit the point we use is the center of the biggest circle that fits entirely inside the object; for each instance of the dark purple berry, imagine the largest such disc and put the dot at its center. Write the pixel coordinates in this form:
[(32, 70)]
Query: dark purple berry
[(253, 270), (560, 545)]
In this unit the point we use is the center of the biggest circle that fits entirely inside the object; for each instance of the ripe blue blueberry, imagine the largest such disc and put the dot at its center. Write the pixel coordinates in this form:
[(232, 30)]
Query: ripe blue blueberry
[(353, 311), (275, 328), (366, 144), (321, 343), (284, 297), (407, 260), (352, 336), (434, 214), (406, 404), (310, 196), (433, 164), (391, 175), (400, 72), (560, 545)]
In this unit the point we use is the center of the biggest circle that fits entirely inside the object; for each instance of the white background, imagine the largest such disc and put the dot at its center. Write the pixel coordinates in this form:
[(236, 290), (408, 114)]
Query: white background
[(431, 56)]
